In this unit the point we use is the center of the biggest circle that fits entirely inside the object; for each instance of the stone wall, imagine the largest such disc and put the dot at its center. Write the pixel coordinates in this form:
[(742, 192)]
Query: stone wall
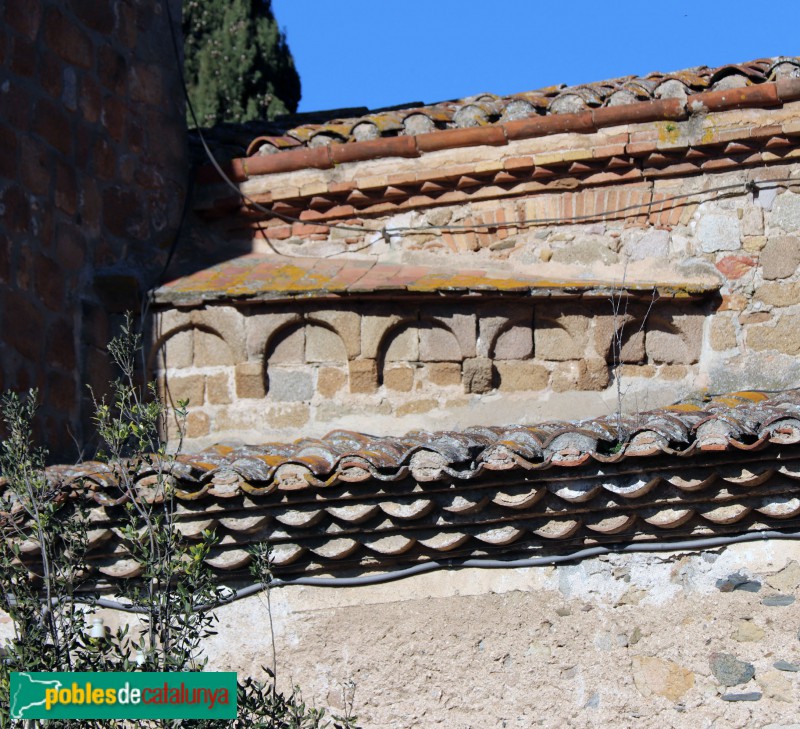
[(675, 639), (298, 368), (93, 170)]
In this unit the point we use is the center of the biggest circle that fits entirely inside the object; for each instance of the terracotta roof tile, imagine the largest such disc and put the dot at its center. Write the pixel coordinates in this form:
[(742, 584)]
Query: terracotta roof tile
[(354, 501), (484, 109)]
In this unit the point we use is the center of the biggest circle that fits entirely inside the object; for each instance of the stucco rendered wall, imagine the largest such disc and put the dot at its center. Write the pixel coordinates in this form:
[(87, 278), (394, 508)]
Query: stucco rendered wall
[(625, 641)]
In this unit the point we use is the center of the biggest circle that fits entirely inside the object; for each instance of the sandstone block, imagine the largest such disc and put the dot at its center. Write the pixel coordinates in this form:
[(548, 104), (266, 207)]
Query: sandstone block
[(635, 370), (463, 327), (400, 378), (176, 352), (443, 374), (218, 389), (527, 376), (373, 330), (363, 375), (197, 424), (210, 350), (228, 323), (516, 342), (324, 345), (403, 345), (562, 338), (288, 347), (190, 387), (249, 378), (330, 380), (347, 324), (754, 243), (641, 245), (675, 339), (780, 257), (259, 328), (778, 294), (784, 336), (477, 374), (493, 319), (719, 231), (622, 333), (723, 333), (437, 344)]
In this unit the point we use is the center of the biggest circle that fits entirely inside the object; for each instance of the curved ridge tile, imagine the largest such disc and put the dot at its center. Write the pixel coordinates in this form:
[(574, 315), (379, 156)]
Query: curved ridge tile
[(407, 511), (393, 544), (520, 497)]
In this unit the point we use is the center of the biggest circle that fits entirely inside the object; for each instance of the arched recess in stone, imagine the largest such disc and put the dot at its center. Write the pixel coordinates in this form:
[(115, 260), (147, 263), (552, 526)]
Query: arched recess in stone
[(299, 354), (514, 340), (416, 343), (192, 345)]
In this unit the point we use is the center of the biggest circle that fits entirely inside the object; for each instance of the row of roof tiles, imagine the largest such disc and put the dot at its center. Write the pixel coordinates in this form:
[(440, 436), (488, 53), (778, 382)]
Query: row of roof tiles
[(355, 500), (484, 109)]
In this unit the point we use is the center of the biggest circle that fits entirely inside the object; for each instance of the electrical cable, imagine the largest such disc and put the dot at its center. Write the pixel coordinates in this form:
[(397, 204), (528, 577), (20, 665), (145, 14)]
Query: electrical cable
[(701, 543)]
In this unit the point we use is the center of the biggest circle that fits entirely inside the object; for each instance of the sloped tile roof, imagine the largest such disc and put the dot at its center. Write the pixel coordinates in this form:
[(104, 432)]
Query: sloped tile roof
[(257, 277), (353, 501), (485, 109)]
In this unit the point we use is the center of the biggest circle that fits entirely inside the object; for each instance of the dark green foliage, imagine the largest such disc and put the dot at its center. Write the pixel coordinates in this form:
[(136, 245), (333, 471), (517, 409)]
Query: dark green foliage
[(237, 64)]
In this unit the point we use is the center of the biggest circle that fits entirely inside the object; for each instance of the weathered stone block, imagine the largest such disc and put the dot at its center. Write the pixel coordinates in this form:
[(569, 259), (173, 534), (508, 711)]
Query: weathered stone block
[(718, 231), (585, 253), (524, 376), (673, 372), (289, 347), (347, 324), (330, 380), (561, 338), (493, 319), (784, 336), (324, 345), (619, 339), (399, 378), (190, 387), (290, 385), (175, 352), (780, 257), (675, 339), (778, 294), (249, 378), (442, 374), (477, 374), (363, 375), (210, 350), (516, 342), (197, 424), (403, 345), (259, 328), (463, 327), (373, 330), (218, 391), (646, 244), (786, 212), (754, 243), (723, 333), (752, 221), (288, 415), (437, 344)]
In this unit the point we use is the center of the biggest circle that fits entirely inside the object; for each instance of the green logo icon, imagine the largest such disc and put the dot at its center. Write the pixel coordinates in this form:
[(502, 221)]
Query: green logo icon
[(138, 695)]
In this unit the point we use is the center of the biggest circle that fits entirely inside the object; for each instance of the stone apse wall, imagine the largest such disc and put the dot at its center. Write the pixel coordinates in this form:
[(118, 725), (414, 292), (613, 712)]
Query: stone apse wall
[(712, 244), (92, 176)]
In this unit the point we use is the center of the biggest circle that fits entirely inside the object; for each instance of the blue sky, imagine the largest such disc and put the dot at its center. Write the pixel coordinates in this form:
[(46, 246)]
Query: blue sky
[(376, 53)]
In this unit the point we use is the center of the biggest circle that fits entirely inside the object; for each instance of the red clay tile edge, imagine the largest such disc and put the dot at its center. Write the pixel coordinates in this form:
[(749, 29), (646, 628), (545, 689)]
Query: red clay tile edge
[(762, 95)]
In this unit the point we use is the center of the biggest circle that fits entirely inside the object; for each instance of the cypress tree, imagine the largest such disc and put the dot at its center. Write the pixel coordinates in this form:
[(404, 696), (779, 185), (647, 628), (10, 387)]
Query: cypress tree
[(237, 64)]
